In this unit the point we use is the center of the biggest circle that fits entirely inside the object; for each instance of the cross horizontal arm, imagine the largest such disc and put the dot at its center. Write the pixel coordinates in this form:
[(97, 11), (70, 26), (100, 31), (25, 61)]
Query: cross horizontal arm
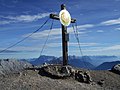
[(55, 16)]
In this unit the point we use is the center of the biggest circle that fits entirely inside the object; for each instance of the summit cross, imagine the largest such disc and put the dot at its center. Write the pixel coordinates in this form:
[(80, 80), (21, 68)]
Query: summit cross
[(65, 35)]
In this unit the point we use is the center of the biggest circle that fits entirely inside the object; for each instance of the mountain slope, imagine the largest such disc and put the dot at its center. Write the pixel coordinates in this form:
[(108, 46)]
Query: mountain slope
[(97, 60), (107, 65), (72, 60), (41, 60), (81, 64), (12, 65)]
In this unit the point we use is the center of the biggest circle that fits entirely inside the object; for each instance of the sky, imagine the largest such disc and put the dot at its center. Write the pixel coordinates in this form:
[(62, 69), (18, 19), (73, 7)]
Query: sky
[(98, 23)]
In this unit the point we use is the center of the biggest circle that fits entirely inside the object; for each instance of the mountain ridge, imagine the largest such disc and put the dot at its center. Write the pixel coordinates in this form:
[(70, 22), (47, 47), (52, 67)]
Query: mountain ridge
[(107, 65), (82, 62)]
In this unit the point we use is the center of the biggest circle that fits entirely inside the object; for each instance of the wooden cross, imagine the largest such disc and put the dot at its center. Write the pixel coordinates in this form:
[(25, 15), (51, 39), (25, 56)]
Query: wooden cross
[(65, 36)]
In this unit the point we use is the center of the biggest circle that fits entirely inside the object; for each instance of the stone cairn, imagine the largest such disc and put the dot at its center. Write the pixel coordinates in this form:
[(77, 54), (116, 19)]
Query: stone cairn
[(59, 71)]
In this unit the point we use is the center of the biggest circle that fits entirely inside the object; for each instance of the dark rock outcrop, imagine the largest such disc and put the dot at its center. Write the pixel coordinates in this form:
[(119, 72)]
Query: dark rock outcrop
[(83, 76), (116, 69)]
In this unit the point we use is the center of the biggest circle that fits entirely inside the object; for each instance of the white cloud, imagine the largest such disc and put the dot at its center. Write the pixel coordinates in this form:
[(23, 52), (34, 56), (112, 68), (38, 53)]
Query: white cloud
[(26, 48), (111, 22), (54, 45), (84, 27), (72, 44), (100, 31), (48, 46), (42, 34), (102, 49), (4, 22), (84, 44), (56, 32), (55, 37), (28, 18), (114, 47), (118, 29), (22, 18)]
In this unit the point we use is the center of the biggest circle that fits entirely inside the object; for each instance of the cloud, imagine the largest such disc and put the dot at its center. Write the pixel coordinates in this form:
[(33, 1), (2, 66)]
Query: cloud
[(84, 44), (9, 51), (118, 29), (34, 48), (28, 18), (53, 45), (26, 48), (111, 22), (114, 47), (44, 33), (5, 22), (37, 48), (56, 32), (100, 31), (84, 27), (22, 18), (102, 49)]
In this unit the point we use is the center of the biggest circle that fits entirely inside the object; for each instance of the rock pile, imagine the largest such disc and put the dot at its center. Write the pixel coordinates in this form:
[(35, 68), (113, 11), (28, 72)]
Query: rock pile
[(55, 71), (83, 76), (58, 71)]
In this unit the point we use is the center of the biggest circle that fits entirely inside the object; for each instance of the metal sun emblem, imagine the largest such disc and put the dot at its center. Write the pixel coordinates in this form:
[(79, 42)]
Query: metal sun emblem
[(65, 17)]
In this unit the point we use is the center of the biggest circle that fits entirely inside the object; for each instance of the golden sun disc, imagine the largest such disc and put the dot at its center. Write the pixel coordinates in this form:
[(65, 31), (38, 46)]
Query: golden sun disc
[(65, 17)]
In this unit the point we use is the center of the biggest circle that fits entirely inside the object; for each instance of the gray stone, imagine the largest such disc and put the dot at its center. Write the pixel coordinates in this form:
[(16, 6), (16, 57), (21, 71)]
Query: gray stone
[(87, 77), (65, 70), (116, 69), (79, 76), (56, 71), (83, 76), (72, 71), (101, 82)]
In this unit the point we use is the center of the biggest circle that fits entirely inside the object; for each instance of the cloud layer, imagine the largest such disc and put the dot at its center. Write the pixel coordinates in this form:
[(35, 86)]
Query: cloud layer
[(56, 32), (22, 18), (111, 22)]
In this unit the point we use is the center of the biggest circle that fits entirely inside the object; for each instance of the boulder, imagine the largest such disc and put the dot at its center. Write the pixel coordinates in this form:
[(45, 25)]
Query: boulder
[(101, 82), (116, 69), (87, 77), (79, 76), (83, 77)]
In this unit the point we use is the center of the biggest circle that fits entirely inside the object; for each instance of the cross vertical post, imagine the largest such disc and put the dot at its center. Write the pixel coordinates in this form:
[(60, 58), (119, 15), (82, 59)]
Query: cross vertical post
[(64, 41), (64, 36)]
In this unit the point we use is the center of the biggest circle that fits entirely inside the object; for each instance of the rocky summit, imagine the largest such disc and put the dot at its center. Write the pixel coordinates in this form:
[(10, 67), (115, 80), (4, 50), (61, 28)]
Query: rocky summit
[(29, 77), (12, 65)]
